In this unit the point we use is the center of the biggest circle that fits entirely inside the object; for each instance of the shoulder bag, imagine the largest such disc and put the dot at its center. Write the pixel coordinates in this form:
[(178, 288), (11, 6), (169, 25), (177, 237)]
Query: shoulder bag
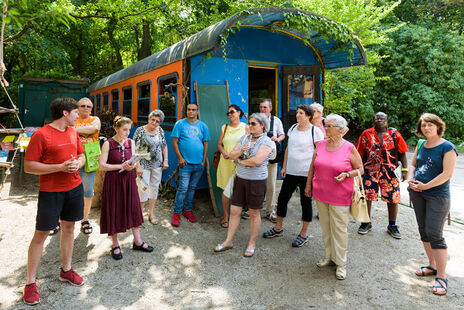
[(92, 155), (358, 208)]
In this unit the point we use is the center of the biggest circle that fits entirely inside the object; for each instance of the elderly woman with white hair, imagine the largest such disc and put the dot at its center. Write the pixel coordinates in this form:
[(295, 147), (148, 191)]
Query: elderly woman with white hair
[(150, 139), (318, 119), (330, 181), (252, 153)]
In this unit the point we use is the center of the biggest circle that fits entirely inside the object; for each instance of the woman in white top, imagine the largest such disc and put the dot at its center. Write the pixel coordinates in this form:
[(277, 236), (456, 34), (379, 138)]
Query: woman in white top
[(302, 140)]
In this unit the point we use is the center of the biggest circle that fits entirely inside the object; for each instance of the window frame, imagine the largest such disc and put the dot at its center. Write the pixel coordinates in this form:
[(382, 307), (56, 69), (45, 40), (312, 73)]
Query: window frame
[(116, 90), (98, 103), (142, 118), (158, 81), (125, 101)]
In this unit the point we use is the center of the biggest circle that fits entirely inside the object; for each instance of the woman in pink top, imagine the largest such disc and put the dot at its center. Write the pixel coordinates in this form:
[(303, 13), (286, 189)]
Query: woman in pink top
[(330, 182)]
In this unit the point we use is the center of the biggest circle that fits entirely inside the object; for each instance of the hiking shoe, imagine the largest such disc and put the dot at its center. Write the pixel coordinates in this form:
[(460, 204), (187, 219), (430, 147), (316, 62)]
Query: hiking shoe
[(189, 216), (364, 228), (245, 215), (72, 277), (175, 219), (393, 231), (271, 233), (31, 294), (300, 241), (272, 217)]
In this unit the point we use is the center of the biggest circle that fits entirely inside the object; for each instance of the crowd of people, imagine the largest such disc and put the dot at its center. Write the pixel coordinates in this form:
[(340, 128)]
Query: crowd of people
[(317, 160)]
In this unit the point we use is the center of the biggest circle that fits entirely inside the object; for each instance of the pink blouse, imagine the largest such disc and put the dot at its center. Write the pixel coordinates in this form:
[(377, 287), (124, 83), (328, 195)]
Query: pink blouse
[(327, 165)]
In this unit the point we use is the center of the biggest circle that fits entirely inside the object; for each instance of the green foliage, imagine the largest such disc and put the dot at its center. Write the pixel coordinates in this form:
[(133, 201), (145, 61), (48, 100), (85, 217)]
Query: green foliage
[(426, 73)]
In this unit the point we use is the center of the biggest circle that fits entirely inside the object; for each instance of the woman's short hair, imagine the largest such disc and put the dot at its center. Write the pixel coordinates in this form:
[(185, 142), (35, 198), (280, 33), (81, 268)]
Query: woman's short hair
[(431, 118), (317, 107), (59, 105), (338, 120), (262, 119), (121, 121), (307, 109), (157, 113), (237, 108)]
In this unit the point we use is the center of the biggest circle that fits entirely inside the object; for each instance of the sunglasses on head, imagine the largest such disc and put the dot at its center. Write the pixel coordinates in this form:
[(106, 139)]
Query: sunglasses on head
[(231, 112), (85, 106)]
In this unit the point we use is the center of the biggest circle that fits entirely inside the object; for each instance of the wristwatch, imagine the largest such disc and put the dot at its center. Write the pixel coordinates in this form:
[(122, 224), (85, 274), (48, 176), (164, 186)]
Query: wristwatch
[(347, 174)]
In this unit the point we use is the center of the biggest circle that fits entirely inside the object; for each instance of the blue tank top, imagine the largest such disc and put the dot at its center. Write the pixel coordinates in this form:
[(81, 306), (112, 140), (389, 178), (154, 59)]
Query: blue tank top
[(429, 163)]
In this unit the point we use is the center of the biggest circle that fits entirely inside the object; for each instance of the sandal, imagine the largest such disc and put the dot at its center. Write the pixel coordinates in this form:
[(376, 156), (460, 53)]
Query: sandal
[(116, 256), (153, 220), (55, 230), (421, 271), (442, 285), (249, 253), (224, 222), (86, 228), (220, 248), (340, 273)]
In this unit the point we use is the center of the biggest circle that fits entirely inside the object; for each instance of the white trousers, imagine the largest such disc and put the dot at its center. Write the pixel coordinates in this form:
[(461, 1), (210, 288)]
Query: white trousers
[(153, 178), (271, 185), (334, 225)]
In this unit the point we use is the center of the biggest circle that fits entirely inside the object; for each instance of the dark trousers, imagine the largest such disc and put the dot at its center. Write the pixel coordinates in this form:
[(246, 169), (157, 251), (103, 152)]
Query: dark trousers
[(288, 187), (431, 213)]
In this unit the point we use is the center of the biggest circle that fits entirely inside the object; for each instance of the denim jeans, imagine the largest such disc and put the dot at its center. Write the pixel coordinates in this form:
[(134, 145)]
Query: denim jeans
[(189, 176)]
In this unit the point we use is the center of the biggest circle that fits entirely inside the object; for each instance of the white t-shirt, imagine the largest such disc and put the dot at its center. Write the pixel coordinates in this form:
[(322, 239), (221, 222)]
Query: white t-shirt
[(300, 149)]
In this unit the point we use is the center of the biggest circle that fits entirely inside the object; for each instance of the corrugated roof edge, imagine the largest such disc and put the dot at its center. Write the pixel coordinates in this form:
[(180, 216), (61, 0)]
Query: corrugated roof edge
[(198, 43)]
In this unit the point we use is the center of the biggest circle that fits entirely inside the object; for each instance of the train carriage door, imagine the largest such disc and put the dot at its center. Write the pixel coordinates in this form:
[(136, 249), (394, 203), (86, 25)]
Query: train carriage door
[(300, 85)]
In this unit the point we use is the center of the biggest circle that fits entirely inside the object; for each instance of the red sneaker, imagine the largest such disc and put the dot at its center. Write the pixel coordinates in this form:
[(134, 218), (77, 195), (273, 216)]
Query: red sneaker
[(72, 277), (175, 219), (31, 294), (189, 215)]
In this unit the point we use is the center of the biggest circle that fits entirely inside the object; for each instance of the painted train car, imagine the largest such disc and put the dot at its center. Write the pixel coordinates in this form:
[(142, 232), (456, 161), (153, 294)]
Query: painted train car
[(258, 59)]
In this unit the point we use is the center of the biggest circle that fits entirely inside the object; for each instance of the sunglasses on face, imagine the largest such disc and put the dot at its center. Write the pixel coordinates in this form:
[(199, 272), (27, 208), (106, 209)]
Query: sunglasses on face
[(85, 106), (155, 121), (231, 112), (252, 123)]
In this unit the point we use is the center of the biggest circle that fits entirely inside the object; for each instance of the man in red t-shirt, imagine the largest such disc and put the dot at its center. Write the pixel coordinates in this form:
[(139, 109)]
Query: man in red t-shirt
[(381, 148), (55, 153)]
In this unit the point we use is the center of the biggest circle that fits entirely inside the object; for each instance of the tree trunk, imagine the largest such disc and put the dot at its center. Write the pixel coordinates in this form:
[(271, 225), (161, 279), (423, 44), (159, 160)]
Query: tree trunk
[(114, 44), (145, 47)]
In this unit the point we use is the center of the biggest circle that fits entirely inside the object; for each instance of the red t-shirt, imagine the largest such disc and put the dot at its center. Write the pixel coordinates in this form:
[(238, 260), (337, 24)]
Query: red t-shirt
[(48, 145), (381, 155)]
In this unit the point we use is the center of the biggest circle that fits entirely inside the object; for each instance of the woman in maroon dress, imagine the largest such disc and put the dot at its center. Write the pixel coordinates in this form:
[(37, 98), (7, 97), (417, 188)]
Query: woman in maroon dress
[(120, 206)]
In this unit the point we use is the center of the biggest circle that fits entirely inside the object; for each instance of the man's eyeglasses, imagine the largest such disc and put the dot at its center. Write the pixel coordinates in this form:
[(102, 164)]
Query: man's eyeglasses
[(252, 123), (85, 106), (231, 112)]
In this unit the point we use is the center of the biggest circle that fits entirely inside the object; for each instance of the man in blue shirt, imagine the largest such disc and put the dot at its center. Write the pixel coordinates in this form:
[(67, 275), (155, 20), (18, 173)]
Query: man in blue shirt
[(190, 138)]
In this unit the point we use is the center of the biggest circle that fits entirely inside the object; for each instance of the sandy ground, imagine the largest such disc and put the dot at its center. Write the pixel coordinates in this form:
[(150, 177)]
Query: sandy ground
[(184, 273)]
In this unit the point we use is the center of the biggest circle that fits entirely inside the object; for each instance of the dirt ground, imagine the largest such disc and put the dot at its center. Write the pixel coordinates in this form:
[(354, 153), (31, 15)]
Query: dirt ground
[(184, 273)]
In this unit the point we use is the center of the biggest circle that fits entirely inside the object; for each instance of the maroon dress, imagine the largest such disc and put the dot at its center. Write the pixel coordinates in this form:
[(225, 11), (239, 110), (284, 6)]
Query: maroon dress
[(120, 203)]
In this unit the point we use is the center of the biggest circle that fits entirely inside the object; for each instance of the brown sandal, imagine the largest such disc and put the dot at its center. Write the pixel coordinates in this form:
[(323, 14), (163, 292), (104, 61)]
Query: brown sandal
[(224, 222)]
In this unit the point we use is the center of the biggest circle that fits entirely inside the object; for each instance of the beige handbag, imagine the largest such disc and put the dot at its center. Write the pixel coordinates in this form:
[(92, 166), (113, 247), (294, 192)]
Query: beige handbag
[(358, 208)]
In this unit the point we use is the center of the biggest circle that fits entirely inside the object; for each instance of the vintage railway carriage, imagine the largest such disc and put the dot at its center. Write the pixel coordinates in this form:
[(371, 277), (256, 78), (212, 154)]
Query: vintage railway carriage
[(249, 52)]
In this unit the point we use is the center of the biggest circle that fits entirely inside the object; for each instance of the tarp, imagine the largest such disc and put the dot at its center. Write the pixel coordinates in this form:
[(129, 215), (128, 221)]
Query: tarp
[(213, 104)]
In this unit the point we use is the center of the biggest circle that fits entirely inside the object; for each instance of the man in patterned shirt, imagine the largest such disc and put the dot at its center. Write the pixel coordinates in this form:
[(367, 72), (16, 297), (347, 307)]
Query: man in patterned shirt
[(381, 148)]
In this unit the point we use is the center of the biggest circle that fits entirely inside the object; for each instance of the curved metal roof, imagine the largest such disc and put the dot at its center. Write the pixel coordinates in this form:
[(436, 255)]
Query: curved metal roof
[(210, 38)]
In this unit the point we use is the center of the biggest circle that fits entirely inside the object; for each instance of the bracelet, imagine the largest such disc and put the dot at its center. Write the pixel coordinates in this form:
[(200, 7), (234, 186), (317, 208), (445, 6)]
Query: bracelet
[(404, 169), (347, 174)]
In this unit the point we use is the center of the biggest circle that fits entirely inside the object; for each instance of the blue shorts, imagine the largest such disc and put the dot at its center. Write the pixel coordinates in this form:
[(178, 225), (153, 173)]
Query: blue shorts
[(88, 179)]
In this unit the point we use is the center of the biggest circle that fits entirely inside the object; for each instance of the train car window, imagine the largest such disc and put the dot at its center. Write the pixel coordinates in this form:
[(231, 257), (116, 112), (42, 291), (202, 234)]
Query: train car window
[(98, 105), (143, 101), (93, 103), (127, 102), (106, 101), (167, 97), (115, 101)]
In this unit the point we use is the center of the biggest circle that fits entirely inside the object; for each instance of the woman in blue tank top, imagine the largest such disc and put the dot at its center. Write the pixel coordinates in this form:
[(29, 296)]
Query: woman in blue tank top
[(429, 177)]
